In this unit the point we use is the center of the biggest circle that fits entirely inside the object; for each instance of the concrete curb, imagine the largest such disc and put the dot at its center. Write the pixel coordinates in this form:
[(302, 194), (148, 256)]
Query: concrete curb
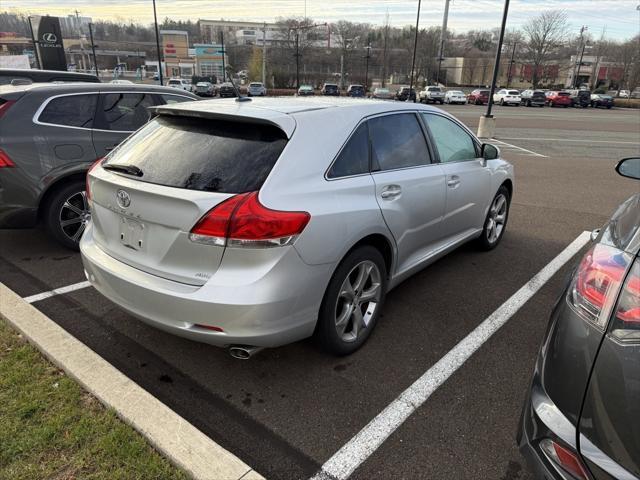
[(182, 443)]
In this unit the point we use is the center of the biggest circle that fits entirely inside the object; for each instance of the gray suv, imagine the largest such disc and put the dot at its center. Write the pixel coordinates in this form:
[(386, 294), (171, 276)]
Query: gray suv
[(581, 418), (49, 136)]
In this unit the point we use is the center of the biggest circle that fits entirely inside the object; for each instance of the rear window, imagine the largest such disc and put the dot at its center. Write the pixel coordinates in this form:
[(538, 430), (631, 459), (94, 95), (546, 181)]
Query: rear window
[(484, 92), (433, 89), (174, 82), (563, 94), (205, 155), (514, 92)]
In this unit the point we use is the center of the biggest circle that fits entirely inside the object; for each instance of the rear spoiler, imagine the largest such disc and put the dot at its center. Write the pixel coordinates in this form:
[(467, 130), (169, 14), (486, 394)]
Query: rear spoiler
[(283, 122)]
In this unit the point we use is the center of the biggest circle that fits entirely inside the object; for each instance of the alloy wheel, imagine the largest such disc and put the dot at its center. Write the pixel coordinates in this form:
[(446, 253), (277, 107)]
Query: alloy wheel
[(74, 216), (497, 218), (358, 300)]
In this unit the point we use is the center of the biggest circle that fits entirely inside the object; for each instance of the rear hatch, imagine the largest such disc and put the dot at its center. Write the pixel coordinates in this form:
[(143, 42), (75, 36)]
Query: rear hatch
[(538, 96), (152, 190)]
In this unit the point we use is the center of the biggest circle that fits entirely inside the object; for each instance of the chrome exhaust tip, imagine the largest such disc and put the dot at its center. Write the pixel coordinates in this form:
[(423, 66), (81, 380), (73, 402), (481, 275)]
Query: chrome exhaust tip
[(243, 352)]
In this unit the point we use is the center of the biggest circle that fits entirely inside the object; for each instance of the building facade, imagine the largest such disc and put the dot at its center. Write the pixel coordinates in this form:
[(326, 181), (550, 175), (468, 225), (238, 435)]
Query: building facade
[(209, 60), (237, 33), (175, 51)]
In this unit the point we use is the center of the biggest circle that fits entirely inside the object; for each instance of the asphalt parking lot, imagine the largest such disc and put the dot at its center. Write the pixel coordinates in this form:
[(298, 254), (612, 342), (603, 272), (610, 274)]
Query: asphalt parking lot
[(288, 410)]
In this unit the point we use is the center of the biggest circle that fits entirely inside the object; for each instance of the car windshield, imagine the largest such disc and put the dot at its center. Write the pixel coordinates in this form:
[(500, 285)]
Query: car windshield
[(382, 90), (606, 97), (330, 85)]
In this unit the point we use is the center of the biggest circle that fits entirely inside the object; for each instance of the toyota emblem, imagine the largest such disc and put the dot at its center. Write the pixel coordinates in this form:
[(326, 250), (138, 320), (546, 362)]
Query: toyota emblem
[(49, 37), (123, 199)]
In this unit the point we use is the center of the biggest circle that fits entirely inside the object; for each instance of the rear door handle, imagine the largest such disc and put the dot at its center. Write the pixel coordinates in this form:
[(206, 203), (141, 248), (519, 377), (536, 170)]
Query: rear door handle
[(392, 191), (453, 181)]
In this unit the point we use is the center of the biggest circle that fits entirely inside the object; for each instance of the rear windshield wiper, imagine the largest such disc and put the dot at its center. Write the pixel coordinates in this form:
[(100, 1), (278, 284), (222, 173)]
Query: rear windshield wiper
[(128, 169)]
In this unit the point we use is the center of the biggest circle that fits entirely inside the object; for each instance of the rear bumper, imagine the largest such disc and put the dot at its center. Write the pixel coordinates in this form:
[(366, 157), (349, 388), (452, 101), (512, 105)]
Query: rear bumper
[(264, 307)]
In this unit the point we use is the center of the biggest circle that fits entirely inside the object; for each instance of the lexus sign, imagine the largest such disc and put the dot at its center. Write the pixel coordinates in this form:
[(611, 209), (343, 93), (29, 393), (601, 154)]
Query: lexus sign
[(46, 31)]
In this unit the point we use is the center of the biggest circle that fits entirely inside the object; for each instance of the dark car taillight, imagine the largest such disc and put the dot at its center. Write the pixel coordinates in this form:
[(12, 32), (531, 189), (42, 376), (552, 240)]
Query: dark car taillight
[(5, 161), (564, 457), (596, 283), (5, 105), (626, 319), (242, 221)]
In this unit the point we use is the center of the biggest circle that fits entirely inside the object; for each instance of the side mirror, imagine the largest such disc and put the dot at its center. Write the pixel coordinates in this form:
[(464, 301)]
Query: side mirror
[(489, 152), (629, 167)]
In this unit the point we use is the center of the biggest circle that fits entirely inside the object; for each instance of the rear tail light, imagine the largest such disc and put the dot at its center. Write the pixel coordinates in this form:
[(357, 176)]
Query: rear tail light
[(5, 161), (87, 187), (242, 221), (596, 283), (564, 458), (5, 105), (626, 319)]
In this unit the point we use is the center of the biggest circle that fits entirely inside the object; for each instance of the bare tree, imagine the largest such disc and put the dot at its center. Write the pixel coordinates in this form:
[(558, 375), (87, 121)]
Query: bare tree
[(627, 55), (544, 33)]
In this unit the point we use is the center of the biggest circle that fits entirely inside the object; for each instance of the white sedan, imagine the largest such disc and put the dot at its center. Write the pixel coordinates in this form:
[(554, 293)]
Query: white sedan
[(507, 97), (455, 96)]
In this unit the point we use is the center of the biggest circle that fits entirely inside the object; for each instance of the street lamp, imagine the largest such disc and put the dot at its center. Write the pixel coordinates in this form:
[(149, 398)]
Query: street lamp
[(297, 54), (487, 125), (155, 22), (413, 62), (366, 70)]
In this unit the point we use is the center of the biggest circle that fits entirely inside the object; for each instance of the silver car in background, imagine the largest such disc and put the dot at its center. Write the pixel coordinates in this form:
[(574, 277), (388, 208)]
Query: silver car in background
[(256, 89), (259, 223)]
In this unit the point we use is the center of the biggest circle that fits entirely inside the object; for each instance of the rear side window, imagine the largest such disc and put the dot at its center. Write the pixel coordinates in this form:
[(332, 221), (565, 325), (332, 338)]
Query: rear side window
[(125, 111), (397, 141), (70, 111), (206, 155), (354, 157), (169, 99)]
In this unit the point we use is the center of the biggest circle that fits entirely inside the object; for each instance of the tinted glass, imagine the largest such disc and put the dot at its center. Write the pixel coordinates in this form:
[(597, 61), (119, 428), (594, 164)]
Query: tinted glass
[(207, 155), (563, 94), (484, 92), (354, 157), (452, 141), (397, 141), (168, 99), (126, 111), (72, 111), (514, 92)]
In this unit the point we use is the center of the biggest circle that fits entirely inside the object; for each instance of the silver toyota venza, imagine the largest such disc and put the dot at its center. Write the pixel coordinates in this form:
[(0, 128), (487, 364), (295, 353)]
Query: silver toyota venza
[(250, 224)]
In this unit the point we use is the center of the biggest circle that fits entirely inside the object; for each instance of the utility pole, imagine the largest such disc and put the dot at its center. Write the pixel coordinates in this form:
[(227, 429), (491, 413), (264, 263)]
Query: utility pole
[(443, 34), (264, 54), (155, 22), (575, 65), (509, 73), (224, 53), (415, 47), (93, 49), (35, 45), (487, 125), (366, 69), (579, 65)]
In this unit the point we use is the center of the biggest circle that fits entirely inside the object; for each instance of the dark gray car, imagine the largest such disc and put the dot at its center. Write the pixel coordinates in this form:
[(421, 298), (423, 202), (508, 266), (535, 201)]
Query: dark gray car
[(50, 134), (581, 419)]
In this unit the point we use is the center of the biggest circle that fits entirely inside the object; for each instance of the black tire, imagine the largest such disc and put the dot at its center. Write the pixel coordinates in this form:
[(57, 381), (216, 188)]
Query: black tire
[(326, 333), (483, 241), (502, 102), (608, 107), (55, 212)]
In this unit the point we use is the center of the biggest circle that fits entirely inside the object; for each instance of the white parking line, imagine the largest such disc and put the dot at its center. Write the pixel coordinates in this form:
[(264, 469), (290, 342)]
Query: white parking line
[(341, 465), (58, 291), (518, 148), (581, 140)]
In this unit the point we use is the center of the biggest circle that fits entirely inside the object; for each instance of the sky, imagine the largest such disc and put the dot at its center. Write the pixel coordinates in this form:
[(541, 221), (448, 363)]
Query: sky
[(619, 18)]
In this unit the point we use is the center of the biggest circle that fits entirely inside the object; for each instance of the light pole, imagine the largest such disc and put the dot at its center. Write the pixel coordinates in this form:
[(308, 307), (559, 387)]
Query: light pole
[(155, 23), (575, 65), (415, 47), (35, 45), (93, 49), (487, 125), (513, 53), (224, 71), (297, 54), (366, 69), (443, 33)]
